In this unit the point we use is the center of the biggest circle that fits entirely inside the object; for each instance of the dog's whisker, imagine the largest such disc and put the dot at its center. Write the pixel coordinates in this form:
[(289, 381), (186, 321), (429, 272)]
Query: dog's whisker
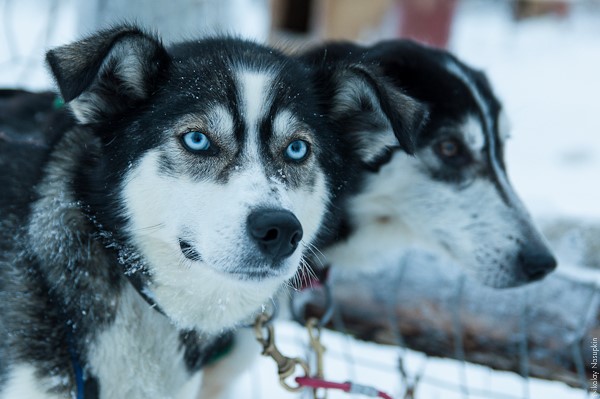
[(304, 276), (318, 255), (315, 248), (309, 270), (150, 229)]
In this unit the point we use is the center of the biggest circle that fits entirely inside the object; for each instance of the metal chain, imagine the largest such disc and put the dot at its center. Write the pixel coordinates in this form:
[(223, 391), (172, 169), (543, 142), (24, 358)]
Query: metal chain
[(286, 366), (314, 334)]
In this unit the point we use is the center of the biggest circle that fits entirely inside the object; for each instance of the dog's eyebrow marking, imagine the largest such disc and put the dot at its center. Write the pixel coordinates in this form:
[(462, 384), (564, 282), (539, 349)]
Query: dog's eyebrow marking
[(473, 134), (286, 124), (220, 120), (217, 120), (500, 178), (457, 71), (282, 122)]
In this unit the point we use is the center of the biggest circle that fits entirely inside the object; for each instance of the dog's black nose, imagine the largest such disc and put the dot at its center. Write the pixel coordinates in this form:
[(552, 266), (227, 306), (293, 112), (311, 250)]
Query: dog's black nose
[(276, 232), (536, 264)]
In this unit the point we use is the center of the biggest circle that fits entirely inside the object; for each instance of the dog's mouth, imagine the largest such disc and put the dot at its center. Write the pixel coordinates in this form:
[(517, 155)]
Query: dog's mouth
[(189, 251), (255, 275), (253, 269)]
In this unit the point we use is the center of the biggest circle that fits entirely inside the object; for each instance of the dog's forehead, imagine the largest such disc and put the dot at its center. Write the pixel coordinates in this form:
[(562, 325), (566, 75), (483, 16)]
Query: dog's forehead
[(219, 68), (251, 90)]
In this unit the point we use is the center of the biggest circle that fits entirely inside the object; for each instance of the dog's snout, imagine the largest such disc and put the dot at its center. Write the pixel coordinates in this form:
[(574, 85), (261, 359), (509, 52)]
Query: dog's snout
[(536, 263), (276, 232)]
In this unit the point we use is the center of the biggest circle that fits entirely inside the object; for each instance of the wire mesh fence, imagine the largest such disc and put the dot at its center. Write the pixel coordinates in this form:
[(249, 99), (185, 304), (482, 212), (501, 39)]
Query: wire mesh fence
[(413, 375), (400, 372)]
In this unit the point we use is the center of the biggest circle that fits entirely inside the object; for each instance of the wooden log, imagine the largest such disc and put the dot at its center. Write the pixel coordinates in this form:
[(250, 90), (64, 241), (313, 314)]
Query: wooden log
[(545, 330)]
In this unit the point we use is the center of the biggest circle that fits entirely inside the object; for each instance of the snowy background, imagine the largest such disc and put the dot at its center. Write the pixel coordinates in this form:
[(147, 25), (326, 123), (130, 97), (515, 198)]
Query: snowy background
[(546, 71)]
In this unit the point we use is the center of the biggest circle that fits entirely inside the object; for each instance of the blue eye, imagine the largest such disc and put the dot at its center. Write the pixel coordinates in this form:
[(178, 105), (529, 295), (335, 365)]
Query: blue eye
[(297, 150), (196, 141)]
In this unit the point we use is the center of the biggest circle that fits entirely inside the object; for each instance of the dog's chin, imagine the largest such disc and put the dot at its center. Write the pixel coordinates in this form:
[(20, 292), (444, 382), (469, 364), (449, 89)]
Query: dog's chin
[(258, 274), (252, 267), (213, 298), (254, 271)]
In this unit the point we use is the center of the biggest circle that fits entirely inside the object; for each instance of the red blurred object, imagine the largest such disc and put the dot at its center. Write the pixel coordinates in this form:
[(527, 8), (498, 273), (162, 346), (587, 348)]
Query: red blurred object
[(426, 21), (317, 383)]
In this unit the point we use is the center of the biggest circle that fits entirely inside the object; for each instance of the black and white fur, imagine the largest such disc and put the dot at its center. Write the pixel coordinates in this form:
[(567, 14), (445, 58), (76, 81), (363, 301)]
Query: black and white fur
[(454, 195), (133, 252), (461, 205)]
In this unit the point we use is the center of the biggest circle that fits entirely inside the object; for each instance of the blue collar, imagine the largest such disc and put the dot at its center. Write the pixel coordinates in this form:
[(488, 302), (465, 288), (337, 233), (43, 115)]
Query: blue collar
[(79, 381)]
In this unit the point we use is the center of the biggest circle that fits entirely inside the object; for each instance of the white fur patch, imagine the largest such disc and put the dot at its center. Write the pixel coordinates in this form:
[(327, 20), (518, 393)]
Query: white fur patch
[(220, 121), (254, 92), (139, 355), (473, 134), (22, 383), (285, 124)]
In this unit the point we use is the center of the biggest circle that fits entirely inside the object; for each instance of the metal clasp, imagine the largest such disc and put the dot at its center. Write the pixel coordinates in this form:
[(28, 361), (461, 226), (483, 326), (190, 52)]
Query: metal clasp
[(286, 366)]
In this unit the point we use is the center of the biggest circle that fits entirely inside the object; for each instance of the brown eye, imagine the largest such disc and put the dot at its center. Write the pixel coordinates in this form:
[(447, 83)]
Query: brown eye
[(452, 152), (448, 148)]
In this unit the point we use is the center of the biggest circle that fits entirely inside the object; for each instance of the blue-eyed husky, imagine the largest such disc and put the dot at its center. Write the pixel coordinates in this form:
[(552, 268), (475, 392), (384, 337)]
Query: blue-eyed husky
[(185, 196)]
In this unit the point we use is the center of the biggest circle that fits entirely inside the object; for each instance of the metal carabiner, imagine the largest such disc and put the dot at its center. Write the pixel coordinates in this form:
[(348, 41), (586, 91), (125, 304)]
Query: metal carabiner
[(286, 366)]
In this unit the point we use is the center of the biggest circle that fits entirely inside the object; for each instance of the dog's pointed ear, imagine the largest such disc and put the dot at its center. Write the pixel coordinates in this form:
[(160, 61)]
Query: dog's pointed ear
[(376, 114), (108, 72)]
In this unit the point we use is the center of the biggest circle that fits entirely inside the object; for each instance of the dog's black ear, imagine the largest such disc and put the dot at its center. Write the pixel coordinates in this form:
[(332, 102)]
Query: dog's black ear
[(377, 115), (108, 72)]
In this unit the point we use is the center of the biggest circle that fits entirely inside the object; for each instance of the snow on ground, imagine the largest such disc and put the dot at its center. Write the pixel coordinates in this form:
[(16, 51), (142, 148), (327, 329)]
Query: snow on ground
[(547, 73)]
